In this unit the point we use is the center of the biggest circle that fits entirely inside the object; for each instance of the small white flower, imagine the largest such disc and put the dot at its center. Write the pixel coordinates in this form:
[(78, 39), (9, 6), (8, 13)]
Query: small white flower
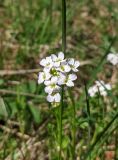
[(64, 67), (62, 79), (47, 62), (102, 88), (54, 98), (99, 87), (73, 64), (113, 58), (92, 91), (58, 59), (43, 76), (67, 79), (99, 83), (51, 85), (102, 91)]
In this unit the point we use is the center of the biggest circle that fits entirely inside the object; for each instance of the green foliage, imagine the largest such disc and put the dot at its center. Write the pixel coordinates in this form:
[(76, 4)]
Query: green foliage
[(35, 114)]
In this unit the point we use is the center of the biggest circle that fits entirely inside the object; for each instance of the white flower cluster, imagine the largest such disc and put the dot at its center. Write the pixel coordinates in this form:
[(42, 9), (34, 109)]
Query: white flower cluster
[(57, 71), (99, 87), (113, 58)]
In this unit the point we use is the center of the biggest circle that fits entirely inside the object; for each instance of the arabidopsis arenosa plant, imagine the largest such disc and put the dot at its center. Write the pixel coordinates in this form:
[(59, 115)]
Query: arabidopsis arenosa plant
[(99, 87), (57, 71), (113, 58)]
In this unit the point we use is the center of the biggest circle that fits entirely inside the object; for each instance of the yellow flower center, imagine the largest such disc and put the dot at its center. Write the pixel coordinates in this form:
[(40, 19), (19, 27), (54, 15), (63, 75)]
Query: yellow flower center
[(58, 60), (62, 68), (54, 72), (72, 66), (44, 76), (53, 85)]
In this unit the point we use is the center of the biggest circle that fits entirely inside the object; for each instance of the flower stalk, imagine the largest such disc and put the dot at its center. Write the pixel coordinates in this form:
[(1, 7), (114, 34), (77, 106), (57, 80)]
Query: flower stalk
[(62, 91), (51, 9), (74, 131), (64, 26), (60, 123)]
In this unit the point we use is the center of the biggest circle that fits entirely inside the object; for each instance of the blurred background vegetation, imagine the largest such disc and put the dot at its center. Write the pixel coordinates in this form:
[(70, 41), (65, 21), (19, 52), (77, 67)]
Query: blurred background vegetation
[(30, 30)]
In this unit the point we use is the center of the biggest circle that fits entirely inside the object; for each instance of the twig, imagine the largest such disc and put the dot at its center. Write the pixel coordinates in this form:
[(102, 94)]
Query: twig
[(87, 62), (17, 72), (5, 91), (13, 123)]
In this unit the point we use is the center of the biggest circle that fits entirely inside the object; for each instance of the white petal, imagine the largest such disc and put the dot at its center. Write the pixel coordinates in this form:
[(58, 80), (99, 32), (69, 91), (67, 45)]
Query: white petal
[(72, 77), (77, 64), (113, 58), (49, 59), (110, 56), (103, 93), (56, 64), (43, 62), (57, 88), (40, 78), (62, 79), (47, 83), (48, 89), (95, 89), (91, 93), (54, 79), (57, 97), (99, 83), (61, 55), (71, 61), (46, 70), (101, 88), (67, 68), (50, 98), (92, 90), (64, 62), (70, 83), (54, 57), (108, 86), (114, 61), (75, 70), (61, 82), (48, 75)]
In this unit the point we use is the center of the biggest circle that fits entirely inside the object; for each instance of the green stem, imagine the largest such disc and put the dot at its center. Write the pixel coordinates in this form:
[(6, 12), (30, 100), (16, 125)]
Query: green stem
[(64, 26), (60, 123)]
